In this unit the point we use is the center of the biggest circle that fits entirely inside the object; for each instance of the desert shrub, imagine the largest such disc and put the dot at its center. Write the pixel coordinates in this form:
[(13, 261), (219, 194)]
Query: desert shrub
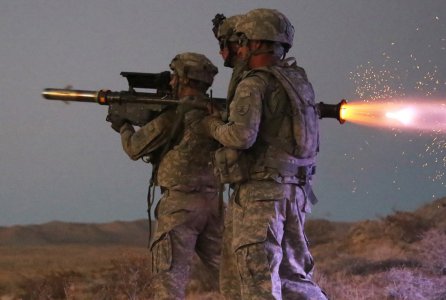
[(406, 226), (412, 285), (354, 265), (343, 265), (201, 279), (319, 231), (342, 286), (431, 251), (3, 289), (55, 285), (362, 234), (365, 267), (205, 296), (395, 284), (127, 278)]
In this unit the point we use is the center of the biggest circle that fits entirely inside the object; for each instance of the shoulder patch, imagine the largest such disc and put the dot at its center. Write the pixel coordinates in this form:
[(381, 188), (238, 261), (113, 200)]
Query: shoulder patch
[(242, 108), (244, 93)]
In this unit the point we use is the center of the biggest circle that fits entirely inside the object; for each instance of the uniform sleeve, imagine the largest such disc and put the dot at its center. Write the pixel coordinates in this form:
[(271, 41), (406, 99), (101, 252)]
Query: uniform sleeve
[(244, 116), (148, 138)]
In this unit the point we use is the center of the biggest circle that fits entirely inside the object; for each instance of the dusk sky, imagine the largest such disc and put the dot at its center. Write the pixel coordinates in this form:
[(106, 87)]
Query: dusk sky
[(64, 162)]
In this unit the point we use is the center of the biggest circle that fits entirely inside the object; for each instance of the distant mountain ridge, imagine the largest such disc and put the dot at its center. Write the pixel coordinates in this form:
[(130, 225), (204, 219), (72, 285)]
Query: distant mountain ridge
[(132, 233), (405, 225)]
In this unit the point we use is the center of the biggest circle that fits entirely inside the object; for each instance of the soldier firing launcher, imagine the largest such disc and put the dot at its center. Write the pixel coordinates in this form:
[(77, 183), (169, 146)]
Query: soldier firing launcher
[(136, 107), (139, 108)]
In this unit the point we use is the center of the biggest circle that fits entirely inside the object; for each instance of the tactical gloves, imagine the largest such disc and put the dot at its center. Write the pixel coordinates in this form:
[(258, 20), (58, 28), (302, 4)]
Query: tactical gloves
[(116, 122)]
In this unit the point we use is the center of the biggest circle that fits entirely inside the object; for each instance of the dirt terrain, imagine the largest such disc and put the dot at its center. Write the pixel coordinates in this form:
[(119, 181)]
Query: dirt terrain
[(401, 256)]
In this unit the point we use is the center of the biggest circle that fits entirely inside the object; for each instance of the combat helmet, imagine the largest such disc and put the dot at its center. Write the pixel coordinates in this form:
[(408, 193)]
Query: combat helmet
[(226, 28), (194, 66), (267, 25)]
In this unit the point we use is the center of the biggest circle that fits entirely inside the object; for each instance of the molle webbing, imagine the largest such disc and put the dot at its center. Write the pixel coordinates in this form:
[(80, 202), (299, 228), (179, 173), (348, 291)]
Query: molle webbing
[(288, 147), (272, 121), (304, 118)]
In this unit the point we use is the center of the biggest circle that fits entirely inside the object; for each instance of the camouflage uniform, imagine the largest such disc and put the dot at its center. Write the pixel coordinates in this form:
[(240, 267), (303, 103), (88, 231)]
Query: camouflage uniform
[(189, 216), (270, 162), (225, 34)]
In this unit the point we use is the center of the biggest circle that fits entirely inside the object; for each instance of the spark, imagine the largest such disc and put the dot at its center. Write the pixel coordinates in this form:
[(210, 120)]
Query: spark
[(383, 88)]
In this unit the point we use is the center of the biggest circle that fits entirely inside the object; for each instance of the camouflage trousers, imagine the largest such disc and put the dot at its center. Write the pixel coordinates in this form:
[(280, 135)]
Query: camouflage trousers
[(265, 251), (188, 223)]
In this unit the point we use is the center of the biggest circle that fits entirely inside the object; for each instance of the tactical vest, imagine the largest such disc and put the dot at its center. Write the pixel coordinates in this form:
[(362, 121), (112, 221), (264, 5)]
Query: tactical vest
[(288, 139), (188, 164)]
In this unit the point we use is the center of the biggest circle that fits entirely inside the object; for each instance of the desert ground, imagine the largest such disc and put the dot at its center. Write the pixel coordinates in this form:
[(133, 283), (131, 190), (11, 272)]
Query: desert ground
[(400, 256)]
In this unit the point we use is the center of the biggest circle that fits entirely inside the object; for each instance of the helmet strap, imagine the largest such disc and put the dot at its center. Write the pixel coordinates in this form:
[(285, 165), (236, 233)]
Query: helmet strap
[(176, 87), (254, 61), (181, 85), (260, 50)]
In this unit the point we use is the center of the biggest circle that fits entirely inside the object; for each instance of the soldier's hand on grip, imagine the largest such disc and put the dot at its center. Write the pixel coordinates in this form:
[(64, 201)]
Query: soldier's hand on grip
[(214, 110), (116, 121)]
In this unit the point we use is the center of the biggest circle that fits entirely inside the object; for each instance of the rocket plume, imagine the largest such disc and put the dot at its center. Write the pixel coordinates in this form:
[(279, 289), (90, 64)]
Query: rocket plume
[(416, 114)]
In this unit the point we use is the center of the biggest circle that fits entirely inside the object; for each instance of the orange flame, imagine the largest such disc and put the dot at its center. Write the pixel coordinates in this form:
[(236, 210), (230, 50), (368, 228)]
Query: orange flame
[(413, 115)]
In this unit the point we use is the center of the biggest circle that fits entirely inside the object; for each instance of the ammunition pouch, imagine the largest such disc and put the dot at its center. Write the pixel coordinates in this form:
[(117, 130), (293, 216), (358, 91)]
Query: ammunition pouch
[(303, 169), (231, 165), (282, 167), (304, 174), (235, 166)]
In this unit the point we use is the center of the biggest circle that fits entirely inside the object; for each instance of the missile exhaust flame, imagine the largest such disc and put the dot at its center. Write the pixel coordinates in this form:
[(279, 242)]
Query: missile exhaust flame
[(414, 115), (399, 72), (404, 116)]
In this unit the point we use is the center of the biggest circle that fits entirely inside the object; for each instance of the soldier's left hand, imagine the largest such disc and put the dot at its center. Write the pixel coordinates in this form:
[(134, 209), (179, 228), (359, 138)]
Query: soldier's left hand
[(214, 110), (116, 122)]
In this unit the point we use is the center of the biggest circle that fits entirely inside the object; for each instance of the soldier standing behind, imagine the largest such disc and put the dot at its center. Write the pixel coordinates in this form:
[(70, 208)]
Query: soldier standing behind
[(189, 216), (270, 144), (224, 31)]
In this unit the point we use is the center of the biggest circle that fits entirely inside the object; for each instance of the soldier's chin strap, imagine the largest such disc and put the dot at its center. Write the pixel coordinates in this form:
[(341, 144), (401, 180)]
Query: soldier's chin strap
[(252, 53), (243, 41), (177, 87), (260, 51), (256, 52)]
